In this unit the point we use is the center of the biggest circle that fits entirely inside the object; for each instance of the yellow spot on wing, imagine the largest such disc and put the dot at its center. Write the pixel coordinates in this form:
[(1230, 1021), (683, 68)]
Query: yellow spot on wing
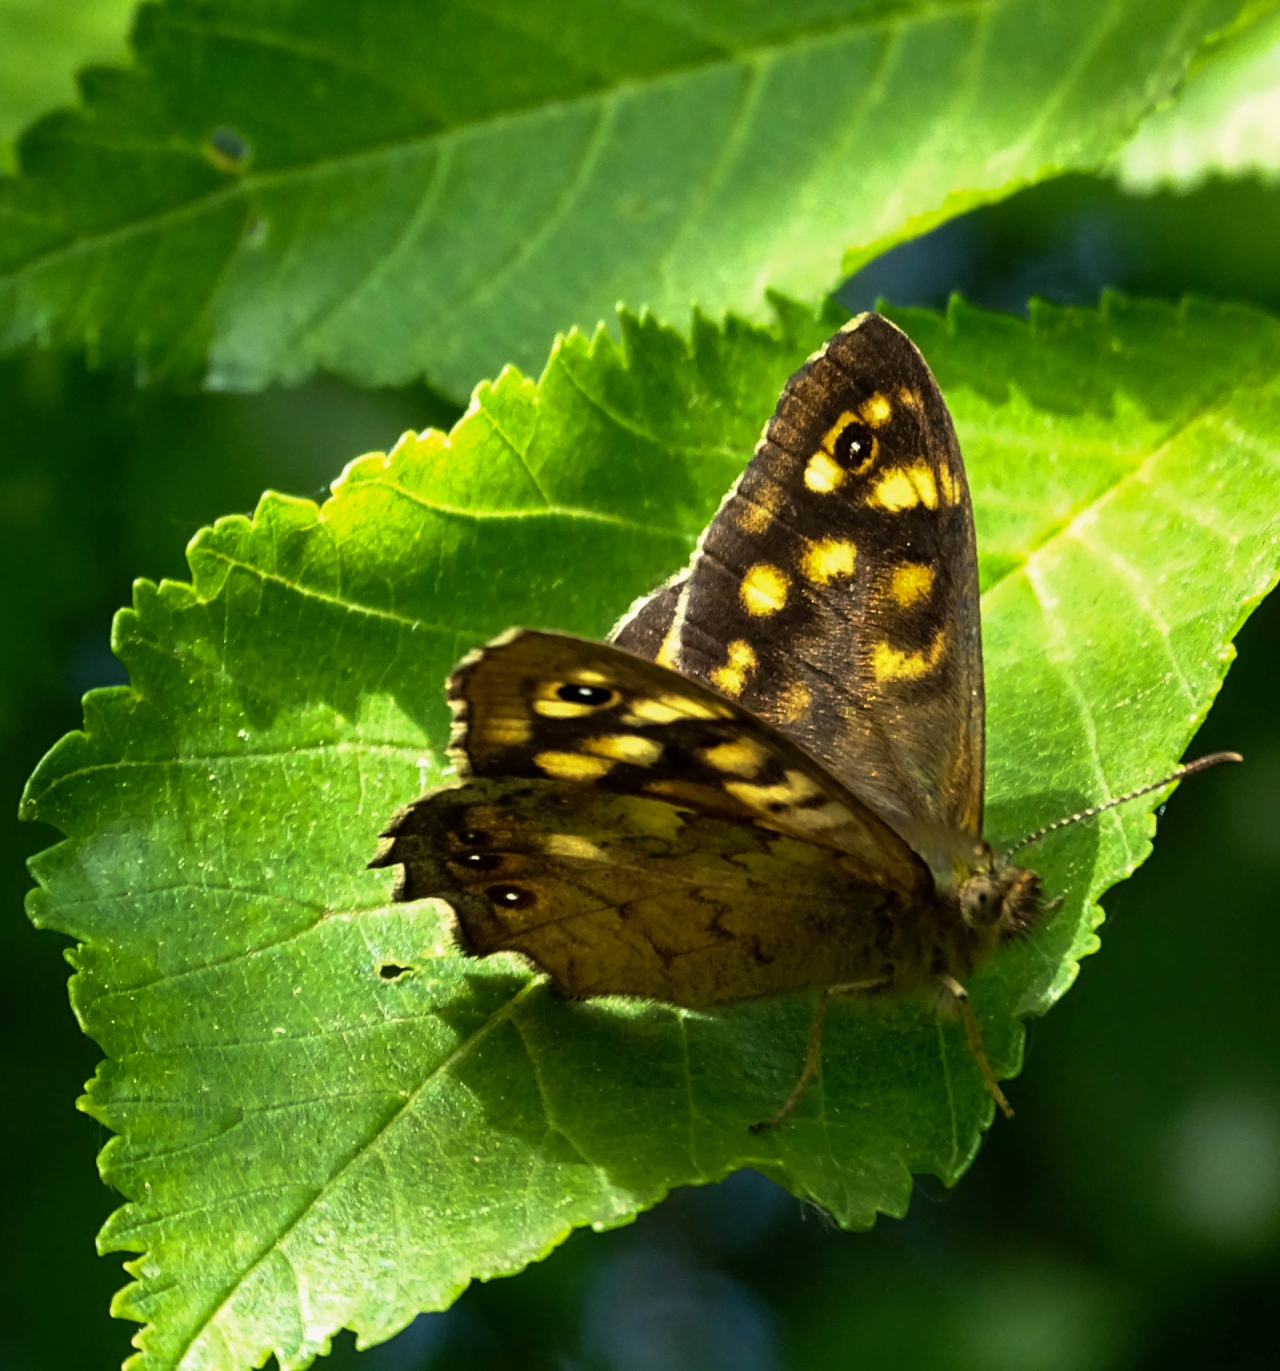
[(911, 583), (822, 474), (571, 845), (666, 709), (741, 757), (888, 664), (793, 791), (508, 732), (625, 747), (572, 766), (829, 560), (877, 411), (909, 397), (669, 652), (833, 815), (902, 488), (733, 675), (764, 589), (562, 709), (949, 484)]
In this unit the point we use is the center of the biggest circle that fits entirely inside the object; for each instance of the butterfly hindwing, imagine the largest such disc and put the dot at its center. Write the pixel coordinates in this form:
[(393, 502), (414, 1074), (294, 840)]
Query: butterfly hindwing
[(835, 593), (633, 832), (620, 894)]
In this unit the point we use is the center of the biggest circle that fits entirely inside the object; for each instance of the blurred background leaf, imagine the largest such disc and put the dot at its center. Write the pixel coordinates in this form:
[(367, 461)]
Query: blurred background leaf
[(402, 190), (42, 46), (1225, 122)]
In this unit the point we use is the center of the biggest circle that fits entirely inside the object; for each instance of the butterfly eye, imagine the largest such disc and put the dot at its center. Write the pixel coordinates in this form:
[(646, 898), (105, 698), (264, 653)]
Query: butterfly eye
[(853, 444), (481, 861), (510, 896), (595, 696), (980, 901)]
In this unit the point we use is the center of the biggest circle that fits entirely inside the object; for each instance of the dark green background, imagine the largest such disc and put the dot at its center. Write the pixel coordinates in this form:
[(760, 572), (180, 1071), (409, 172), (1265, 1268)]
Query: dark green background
[(1128, 1217)]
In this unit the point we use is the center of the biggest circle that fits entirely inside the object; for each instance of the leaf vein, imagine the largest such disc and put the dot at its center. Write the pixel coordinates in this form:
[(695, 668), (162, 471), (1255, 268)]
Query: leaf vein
[(468, 1044)]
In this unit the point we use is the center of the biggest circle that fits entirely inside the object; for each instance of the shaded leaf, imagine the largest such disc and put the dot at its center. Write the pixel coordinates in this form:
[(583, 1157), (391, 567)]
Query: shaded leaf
[(306, 1144), (387, 190)]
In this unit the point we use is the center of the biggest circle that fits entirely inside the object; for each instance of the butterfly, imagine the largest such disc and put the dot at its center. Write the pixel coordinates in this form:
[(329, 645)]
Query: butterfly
[(770, 780)]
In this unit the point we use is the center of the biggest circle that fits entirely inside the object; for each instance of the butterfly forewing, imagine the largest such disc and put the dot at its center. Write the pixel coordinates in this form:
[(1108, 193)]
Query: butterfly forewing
[(551, 707), (835, 594)]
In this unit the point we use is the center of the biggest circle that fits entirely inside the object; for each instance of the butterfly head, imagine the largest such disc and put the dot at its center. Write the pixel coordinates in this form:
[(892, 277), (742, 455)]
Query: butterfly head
[(998, 901)]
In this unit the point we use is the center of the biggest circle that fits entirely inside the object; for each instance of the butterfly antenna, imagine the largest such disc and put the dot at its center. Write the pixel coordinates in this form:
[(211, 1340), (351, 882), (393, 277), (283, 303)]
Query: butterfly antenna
[(1189, 769)]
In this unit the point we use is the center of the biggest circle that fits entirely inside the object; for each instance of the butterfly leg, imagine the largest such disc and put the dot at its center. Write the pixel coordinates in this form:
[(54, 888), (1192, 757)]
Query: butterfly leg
[(813, 1053), (960, 997)]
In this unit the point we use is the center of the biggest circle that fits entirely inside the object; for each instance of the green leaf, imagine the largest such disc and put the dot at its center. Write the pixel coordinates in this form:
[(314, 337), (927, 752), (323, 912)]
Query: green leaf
[(306, 1144), (1226, 122), (396, 189), (41, 46)]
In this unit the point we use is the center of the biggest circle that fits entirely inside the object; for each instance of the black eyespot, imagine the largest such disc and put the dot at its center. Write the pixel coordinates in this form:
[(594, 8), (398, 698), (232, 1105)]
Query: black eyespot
[(472, 837), (510, 896), (481, 861), (853, 444), (585, 694)]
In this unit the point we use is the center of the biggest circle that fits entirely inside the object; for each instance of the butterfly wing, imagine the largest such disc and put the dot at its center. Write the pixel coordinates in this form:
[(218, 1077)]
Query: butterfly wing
[(620, 894), (635, 833), (550, 706), (835, 593)]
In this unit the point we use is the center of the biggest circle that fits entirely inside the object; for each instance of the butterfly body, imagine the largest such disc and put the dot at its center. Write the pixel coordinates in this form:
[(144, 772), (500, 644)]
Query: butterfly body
[(771, 780)]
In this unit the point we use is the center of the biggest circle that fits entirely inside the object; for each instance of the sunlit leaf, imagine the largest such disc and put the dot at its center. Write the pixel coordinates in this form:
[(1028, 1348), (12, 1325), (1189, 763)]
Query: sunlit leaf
[(306, 1144)]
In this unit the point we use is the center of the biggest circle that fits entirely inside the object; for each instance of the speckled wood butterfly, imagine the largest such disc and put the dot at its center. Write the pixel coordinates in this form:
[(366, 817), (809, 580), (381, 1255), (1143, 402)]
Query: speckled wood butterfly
[(772, 779)]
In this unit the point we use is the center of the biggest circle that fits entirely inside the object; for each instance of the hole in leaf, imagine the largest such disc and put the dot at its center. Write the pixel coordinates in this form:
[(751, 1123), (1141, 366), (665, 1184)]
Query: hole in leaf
[(227, 150), (392, 971)]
